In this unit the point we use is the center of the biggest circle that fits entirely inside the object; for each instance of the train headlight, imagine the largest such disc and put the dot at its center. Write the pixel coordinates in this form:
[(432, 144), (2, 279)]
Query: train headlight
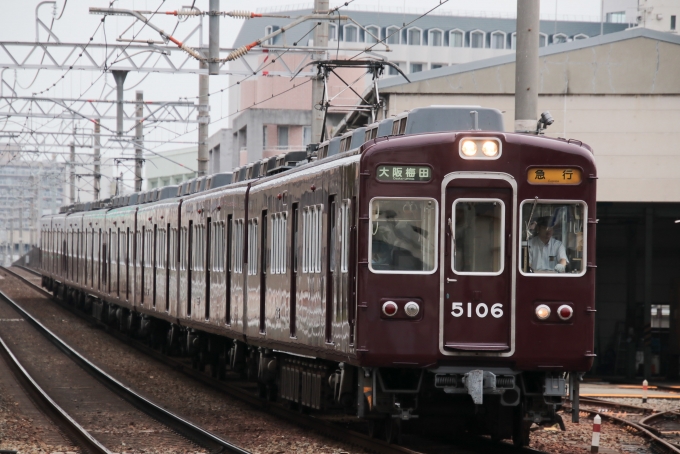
[(411, 308), (565, 312), (542, 312), (469, 148), (490, 148), (390, 308)]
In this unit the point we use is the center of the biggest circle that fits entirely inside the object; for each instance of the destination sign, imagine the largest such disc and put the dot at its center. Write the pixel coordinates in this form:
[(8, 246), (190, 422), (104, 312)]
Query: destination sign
[(554, 175), (404, 173)]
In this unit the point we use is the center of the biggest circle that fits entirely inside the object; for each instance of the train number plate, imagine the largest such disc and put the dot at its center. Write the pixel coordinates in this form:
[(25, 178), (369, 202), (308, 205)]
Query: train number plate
[(554, 175)]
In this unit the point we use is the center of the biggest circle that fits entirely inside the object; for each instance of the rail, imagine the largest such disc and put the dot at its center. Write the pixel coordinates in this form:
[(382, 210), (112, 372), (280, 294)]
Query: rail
[(318, 425), (58, 415), (186, 428)]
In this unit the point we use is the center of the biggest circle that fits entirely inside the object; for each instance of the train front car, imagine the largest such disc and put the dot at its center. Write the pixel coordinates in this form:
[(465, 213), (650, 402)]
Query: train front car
[(475, 279)]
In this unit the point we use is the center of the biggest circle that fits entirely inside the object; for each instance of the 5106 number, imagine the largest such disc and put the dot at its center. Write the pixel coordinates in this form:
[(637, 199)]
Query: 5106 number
[(482, 310)]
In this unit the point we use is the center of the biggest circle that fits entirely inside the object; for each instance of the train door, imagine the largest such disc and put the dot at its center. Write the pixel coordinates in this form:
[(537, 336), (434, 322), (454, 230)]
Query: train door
[(294, 269), (168, 253), (228, 261), (155, 261), (330, 267), (208, 264), (263, 272), (478, 312), (190, 263)]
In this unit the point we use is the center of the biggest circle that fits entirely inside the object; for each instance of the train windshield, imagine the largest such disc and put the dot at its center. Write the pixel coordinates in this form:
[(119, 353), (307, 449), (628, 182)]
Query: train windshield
[(553, 238), (403, 235)]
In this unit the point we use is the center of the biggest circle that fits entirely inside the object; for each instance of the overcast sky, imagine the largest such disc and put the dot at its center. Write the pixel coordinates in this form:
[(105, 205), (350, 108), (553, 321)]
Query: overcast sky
[(17, 23)]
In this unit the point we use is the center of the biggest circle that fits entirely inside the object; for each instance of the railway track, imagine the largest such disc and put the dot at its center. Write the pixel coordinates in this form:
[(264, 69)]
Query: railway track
[(243, 391), (117, 418), (662, 429)]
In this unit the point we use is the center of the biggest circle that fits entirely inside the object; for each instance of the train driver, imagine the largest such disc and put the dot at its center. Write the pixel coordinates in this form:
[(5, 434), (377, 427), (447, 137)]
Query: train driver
[(546, 254)]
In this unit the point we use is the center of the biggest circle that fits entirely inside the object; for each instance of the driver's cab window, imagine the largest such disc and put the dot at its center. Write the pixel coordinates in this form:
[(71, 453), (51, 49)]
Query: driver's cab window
[(403, 236), (553, 238)]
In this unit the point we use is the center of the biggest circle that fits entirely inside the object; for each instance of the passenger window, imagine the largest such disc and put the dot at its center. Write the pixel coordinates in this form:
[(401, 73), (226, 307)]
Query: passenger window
[(403, 235), (478, 228), (553, 238)]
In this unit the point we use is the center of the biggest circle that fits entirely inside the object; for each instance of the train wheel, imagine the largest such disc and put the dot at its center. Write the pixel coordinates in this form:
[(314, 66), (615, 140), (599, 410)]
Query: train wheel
[(392, 430), (520, 429), (376, 428)]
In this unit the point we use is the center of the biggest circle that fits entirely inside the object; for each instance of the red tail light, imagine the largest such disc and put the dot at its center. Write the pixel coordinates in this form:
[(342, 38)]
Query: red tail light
[(565, 312), (390, 308)]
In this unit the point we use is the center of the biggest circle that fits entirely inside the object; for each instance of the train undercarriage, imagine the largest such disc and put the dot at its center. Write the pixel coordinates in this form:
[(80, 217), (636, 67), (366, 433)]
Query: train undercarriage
[(501, 403)]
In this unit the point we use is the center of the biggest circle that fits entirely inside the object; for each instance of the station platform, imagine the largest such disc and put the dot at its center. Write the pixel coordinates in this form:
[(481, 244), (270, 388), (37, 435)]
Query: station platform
[(603, 389)]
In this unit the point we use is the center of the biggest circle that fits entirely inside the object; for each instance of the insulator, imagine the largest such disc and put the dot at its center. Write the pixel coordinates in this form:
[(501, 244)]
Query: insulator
[(505, 382), (189, 12), (240, 14), (446, 380), (238, 53)]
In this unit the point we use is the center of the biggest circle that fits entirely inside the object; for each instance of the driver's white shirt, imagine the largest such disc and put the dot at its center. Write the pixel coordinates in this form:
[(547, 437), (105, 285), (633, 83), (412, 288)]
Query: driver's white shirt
[(540, 253)]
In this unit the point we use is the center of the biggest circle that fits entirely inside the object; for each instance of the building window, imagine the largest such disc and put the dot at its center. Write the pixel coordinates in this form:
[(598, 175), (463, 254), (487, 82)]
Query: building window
[(265, 142), (581, 36), (477, 39), (372, 34), (283, 136), (393, 71), (332, 32), (542, 40), (559, 38), (416, 67), (437, 65), (271, 29), (351, 33), (498, 40), (306, 135), (392, 35), (456, 38), (436, 38), (672, 22), (619, 17), (414, 36)]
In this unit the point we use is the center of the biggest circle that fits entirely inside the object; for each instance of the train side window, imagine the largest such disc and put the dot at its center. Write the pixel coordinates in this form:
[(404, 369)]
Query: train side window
[(183, 249), (553, 238), (344, 235), (403, 235), (237, 251), (278, 244), (252, 247), (172, 262), (312, 238)]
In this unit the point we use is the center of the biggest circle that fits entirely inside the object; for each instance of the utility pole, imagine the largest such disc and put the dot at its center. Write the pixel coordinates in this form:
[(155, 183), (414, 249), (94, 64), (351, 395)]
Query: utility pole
[(11, 238), (320, 41), (214, 38), (21, 224), (647, 317), (119, 77), (203, 118), (72, 173), (139, 137), (97, 160), (526, 65)]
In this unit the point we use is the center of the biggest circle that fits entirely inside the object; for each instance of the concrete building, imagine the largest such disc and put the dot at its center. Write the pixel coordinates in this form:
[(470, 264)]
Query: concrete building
[(28, 190), (169, 167), (264, 122), (620, 94)]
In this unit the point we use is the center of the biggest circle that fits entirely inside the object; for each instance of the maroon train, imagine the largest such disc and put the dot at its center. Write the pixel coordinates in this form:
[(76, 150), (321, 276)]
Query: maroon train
[(427, 268)]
